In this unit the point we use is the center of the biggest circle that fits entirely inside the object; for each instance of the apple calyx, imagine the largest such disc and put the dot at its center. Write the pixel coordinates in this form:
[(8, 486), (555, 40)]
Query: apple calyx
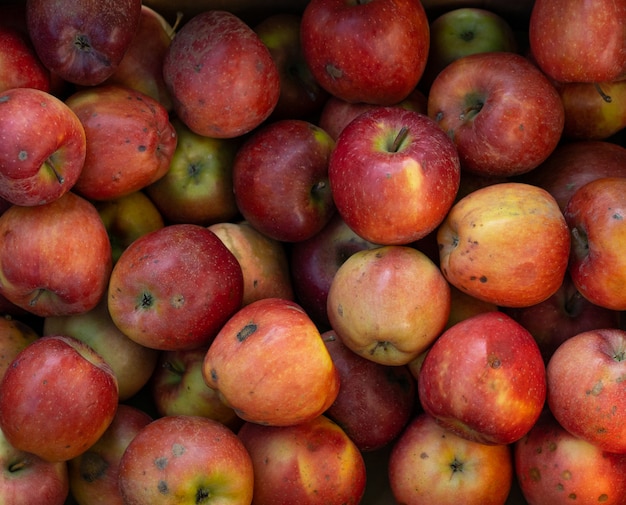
[(456, 466)]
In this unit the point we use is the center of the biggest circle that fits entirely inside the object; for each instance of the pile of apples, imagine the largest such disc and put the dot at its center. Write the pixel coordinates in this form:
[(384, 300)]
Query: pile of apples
[(312, 252)]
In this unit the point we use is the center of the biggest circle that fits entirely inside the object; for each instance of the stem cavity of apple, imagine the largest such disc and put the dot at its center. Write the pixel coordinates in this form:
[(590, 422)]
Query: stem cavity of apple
[(399, 140), (33, 301), (580, 242), (50, 164)]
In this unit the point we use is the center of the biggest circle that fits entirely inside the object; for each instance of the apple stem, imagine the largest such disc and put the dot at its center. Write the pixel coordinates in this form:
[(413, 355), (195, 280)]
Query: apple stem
[(16, 467), (51, 166), (605, 97), (400, 137), (35, 299)]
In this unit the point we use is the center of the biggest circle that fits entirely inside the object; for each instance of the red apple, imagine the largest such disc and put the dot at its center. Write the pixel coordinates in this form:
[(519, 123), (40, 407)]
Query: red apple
[(375, 402), (20, 67), (175, 287), (366, 51), (83, 43), (595, 217), (311, 463), (388, 304), (57, 398), (280, 180), (26, 479), (506, 243), (130, 140), (222, 78), (314, 262), (270, 364), (198, 185), (263, 260), (55, 259), (585, 378), (394, 175), (575, 41), (554, 466), (93, 475), (504, 115), (188, 459), (43, 148), (15, 335), (484, 379), (430, 464)]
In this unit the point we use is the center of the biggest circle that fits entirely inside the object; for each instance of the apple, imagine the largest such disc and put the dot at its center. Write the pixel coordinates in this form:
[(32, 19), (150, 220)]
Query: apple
[(301, 96), (20, 67), (504, 115), (93, 475), (314, 262), (174, 288), (310, 463), (130, 140), (484, 379), (198, 185), (128, 217), (133, 364), (177, 387), (82, 43), (188, 459), (57, 398), (585, 378), (578, 41), (263, 260), (506, 244), (394, 175), (141, 67), (388, 304), (44, 147), (561, 316), (280, 179), (430, 464), (27, 479), (554, 466), (269, 363), (463, 31), (55, 259), (574, 163), (375, 402), (15, 335), (222, 78), (371, 52), (595, 218)]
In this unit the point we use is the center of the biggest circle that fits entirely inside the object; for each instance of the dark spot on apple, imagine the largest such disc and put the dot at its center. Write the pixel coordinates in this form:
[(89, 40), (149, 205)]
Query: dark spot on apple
[(534, 474), (92, 466), (424, 455), (572, 496), (596, 389), (22, 155), (618, 216), (494, 362), (333, 71), (246, 331), (439, 116), (82, 43), (202, 495), (603, 497), (161, 462), (521, 127), (483, 279), (142, 149), (213, 375), (162, 487), (552, 446), (467, 36), (177, 301), (340, 310), (178, 450), (4, 99)]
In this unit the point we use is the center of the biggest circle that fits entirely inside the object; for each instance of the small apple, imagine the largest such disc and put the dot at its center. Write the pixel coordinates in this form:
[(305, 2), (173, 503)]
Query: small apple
[(44, 147), (388, 304), (585, 378), (394, 175), (57, 398), (310, 463), (506, 244), (83, 43), (20, 67), (174, 288), (280, 179), (188, 459), (430, 464), (221, 77), (484, 379), (269, 363)]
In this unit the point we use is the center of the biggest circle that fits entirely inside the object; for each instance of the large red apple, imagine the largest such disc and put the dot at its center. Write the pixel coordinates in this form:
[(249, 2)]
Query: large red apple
[(394, 175), (220, 75), (82, 42), (504, 115), (43, 148), (484, 379), (188, 459), (270, 364), (55, 259), (57, 398), (175, 287), (430, 464), (506, 243), (366, 51), (310, 463), (585, 378)]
